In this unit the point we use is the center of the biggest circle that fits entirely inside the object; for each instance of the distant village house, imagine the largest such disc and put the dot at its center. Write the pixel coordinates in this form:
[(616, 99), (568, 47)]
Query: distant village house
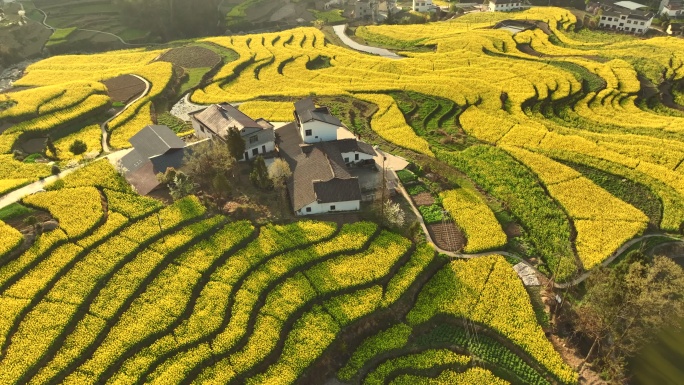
[(504, 5), (626, 16)]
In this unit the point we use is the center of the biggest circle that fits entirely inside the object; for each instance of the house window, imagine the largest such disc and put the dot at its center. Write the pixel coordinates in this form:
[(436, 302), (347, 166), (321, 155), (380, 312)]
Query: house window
[(308, 209), (307, 132), (346, 160), (263, 149), (255, 151), (332, 207), (356, 156), (642, 23), (253, 139), (603, 18)]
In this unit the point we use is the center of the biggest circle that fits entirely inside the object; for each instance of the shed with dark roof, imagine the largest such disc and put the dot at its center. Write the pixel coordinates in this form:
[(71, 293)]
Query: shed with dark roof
[(155, 148)]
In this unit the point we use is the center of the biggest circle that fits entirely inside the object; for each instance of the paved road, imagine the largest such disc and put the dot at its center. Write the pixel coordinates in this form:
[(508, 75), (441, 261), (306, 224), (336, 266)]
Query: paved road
[(340, 30), (16, 195)]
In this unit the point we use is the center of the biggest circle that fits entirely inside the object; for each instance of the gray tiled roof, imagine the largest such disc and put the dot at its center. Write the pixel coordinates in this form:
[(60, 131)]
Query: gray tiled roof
[(220, 117), (141, 172), (155, 148), (315, 165), (349, 145), (155, 140), (337, 190), (306, 111)]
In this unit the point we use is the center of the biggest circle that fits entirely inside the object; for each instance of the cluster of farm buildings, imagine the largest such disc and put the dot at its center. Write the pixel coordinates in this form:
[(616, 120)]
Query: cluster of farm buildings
[(332, 170)]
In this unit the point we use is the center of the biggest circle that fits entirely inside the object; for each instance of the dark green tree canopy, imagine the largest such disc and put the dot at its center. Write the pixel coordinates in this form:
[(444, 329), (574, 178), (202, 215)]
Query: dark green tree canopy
[(259, 174), (236, 144)]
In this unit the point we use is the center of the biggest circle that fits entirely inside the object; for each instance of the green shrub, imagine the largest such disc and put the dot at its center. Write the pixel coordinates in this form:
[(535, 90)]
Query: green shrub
[(416, 189), (78, 147), (432, 213), (406, 176)]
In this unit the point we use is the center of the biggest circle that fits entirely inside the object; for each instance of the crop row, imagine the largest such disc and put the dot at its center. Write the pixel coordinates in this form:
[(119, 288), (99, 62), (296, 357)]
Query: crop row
[(603, 223), (505, 179), (490, 293), (53, 288), (212, 301)]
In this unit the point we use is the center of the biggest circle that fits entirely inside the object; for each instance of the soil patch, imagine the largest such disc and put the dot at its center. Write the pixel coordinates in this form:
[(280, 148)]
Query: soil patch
[(192, 57), (124, 88), (423, 199), (18, 222), (512, 230), (33, 146), (447, 236)]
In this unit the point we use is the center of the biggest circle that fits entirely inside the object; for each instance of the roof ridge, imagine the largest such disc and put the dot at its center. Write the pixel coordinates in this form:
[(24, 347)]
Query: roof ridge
[(327, 159), (159, 136)]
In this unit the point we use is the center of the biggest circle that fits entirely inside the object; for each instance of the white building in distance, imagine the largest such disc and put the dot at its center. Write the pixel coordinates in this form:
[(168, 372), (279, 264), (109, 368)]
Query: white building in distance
[(422, 6), (504, 5)]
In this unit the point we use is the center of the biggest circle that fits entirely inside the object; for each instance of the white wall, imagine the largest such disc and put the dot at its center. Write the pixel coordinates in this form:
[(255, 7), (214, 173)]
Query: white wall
[(613, 22), (320, 208), (350, 157), (422, 5), (270, 146), (504, 7), (320, 131), (669, 13)]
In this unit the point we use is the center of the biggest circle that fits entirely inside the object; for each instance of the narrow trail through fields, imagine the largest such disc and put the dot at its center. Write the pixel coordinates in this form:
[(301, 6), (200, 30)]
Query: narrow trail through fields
[(581, 278), (124, 42), (103, 126)]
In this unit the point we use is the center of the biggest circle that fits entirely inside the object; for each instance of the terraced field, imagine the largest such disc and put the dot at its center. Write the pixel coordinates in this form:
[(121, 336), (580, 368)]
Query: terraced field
[(129, 291), (552, 143)]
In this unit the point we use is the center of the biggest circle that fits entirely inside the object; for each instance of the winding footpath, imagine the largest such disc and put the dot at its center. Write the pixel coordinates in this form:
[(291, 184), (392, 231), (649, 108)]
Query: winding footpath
[(124, 42), (341, 32), (103, 126), (579, 279), (113, 157)]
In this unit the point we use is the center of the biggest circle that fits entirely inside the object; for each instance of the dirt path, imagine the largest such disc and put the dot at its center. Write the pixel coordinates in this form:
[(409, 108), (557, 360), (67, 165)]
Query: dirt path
[(103, 126)]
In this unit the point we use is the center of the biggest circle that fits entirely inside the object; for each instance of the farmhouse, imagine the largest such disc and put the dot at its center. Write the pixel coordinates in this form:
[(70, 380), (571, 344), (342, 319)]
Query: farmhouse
[(215, 121), (504, 5), (365, 9), (423, 6), (626, 16), (155, 148), (673, 9), (322, 155)]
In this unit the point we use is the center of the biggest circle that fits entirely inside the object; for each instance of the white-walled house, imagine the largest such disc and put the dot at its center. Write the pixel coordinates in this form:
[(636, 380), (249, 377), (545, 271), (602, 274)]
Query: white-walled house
[(423, 6), (626, 16), (673, 9), (316, 124), (504, 5), (215, 121), (320, 151)]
